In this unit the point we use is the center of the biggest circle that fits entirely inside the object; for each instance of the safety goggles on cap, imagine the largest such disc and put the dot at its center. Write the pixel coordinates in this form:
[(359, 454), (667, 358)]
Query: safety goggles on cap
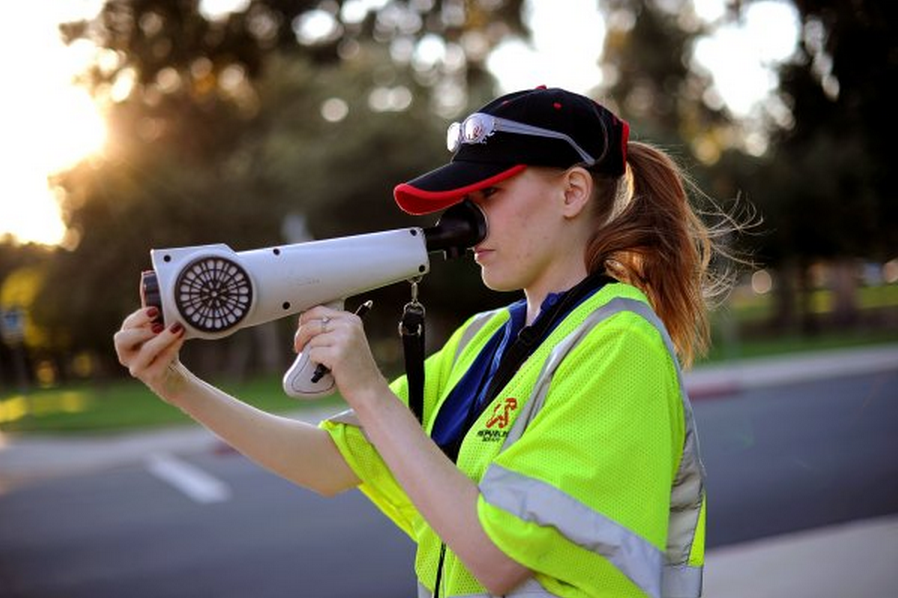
[(478, 127)]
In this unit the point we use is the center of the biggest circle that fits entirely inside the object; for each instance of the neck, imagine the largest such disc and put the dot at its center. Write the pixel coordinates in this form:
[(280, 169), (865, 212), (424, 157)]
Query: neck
[(536, 294)]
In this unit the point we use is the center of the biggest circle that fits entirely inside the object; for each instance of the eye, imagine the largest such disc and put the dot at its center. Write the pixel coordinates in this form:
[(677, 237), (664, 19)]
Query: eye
[(482, 194)]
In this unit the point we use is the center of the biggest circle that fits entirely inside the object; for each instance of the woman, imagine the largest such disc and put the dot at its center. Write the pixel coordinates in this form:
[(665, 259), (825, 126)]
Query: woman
[(556, 455)]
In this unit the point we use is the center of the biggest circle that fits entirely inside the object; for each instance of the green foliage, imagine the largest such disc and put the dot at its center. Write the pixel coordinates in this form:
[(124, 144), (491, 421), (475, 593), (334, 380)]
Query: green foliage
[(647, 55), (219, 136), (116, 406), (153, 36), (828, 184)]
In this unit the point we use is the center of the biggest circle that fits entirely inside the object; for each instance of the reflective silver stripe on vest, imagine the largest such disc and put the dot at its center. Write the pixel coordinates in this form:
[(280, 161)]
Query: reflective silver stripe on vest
[(538, 502), (529, 589), (477, 323), (680, 580), (632, 555)]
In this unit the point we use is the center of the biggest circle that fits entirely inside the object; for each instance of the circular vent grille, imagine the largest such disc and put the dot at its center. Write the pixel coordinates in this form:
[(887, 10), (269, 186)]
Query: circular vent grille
[(213, 294)]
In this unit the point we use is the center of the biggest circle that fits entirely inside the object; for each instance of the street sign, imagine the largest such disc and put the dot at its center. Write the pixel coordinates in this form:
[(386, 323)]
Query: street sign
[(12, 325)]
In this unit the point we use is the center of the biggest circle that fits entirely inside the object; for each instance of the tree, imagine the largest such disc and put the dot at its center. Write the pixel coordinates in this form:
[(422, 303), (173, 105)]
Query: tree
[(222, 127), (648, 63), (843, 128), (654, 83), (20, 273), (825, 187)]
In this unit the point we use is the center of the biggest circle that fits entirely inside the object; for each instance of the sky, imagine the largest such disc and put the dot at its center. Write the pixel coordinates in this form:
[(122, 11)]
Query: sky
[(48, 124)]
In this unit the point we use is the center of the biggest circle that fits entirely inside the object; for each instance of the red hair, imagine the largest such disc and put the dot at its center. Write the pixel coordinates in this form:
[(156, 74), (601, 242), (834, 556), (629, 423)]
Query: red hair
[(649, 235)]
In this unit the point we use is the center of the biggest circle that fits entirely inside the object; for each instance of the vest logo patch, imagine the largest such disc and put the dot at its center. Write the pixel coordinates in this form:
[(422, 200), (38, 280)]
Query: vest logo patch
[(501, 412), (499, 418), (498, 421)]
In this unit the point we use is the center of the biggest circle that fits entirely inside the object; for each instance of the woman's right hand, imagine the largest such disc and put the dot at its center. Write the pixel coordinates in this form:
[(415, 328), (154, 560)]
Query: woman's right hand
[(150, 351)]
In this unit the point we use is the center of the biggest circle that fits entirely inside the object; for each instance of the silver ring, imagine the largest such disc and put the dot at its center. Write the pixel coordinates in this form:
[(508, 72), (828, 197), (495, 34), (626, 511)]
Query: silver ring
[(324, 322)]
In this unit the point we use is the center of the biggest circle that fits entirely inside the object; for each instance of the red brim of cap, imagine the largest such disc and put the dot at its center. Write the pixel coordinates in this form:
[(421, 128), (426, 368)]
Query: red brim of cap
[(450, 184)]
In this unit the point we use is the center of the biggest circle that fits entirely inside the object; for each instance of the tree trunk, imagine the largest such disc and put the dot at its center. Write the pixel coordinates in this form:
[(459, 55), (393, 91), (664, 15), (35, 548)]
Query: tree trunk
[(810, 323), (785, 315), (844, 286)]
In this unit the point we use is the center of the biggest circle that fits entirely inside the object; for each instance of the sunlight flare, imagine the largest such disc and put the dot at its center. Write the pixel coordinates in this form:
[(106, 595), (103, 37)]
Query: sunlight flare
[(49, 123)]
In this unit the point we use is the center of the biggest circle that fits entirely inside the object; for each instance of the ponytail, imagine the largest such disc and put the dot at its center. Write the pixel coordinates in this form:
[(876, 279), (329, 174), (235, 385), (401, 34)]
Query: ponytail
[(649, 235)]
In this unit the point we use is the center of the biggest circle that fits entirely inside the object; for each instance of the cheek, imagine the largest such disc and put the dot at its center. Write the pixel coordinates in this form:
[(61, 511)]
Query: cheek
[(529, 232)]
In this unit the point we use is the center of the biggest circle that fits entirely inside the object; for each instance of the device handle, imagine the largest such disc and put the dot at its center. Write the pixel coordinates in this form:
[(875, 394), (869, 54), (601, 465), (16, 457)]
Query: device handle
[(301, 381)]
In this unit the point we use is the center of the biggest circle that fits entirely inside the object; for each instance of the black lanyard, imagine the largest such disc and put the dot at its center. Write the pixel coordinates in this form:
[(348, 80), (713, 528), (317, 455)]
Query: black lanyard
[(528, 339)]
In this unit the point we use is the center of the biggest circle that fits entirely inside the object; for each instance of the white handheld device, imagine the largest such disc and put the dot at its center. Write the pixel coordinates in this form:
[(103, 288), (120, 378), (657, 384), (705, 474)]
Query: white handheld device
[(213, 291)]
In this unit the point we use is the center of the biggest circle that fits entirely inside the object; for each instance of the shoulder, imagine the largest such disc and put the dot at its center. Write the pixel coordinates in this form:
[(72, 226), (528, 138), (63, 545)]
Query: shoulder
[(470, 337), (617, 324), (615, 306)]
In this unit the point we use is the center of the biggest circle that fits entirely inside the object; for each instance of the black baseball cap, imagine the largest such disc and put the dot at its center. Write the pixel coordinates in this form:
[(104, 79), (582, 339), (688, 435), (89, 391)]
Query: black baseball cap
[(548, 127)]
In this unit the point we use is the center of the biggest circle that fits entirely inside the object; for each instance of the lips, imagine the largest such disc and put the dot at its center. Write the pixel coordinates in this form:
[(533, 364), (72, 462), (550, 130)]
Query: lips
[(480, 252)]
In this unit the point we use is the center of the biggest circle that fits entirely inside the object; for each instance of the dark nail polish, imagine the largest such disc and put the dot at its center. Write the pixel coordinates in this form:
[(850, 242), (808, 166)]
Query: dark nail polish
[(157, 328), (152, 312), (176, 328)]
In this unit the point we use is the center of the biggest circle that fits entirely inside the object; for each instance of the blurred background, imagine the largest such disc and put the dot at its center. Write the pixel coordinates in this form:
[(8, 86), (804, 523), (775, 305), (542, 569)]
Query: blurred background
[(133, 125)]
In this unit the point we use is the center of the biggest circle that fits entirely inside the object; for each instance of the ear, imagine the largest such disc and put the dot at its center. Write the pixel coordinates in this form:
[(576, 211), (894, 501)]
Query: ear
[(577, 191)]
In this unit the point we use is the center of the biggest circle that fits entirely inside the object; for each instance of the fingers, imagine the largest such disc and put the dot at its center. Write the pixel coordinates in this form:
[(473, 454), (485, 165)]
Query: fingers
[(322, 326), (316, 322), (129, 340), (319, 313), (169, 352), (337, 340), (312, 333), (136, 329), (141, 317), (144, 346), (156, 351)]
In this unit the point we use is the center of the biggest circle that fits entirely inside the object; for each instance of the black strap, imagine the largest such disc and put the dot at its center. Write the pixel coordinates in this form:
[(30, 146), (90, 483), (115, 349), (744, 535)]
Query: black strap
[(411, 329), (531, 337), (522, 347)]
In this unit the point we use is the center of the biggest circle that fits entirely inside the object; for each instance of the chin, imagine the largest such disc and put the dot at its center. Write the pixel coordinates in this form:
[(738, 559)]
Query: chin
[(497, 283)]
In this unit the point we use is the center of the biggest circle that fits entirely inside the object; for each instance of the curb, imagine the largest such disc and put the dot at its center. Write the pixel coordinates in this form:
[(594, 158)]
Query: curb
[(726, 379), (855, 559)]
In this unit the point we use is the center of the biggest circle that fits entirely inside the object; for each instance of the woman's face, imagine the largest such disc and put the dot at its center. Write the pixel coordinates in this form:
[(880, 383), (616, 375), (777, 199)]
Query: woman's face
[(527, 244)]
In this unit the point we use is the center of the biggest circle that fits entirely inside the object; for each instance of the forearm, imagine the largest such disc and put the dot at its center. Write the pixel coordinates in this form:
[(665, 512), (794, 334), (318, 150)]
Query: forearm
[(440, 491), (295, 450)]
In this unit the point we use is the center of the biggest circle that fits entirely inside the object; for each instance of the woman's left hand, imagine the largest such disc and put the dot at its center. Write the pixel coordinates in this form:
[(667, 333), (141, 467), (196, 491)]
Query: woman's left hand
[(336, 339)]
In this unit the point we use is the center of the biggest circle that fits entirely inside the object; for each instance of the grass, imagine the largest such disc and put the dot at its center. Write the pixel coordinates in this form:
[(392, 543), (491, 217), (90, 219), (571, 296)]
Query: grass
[(123, 405), (752, 308), (793, 343)]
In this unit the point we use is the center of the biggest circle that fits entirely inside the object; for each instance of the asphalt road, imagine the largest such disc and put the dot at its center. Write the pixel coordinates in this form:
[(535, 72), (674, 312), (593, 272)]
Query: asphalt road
[(782, 459), (127, 533), (800, 456)]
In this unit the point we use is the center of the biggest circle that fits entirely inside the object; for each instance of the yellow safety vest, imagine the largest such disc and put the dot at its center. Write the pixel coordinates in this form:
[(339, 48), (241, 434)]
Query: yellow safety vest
[(587, 461)]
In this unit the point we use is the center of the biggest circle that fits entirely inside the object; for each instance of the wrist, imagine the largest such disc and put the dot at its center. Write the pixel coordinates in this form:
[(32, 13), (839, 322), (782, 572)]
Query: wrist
[(174, 384), (372, 399)]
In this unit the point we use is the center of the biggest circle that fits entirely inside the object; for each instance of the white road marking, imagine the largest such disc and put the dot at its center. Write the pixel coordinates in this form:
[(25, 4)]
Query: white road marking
[(192, 481)]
